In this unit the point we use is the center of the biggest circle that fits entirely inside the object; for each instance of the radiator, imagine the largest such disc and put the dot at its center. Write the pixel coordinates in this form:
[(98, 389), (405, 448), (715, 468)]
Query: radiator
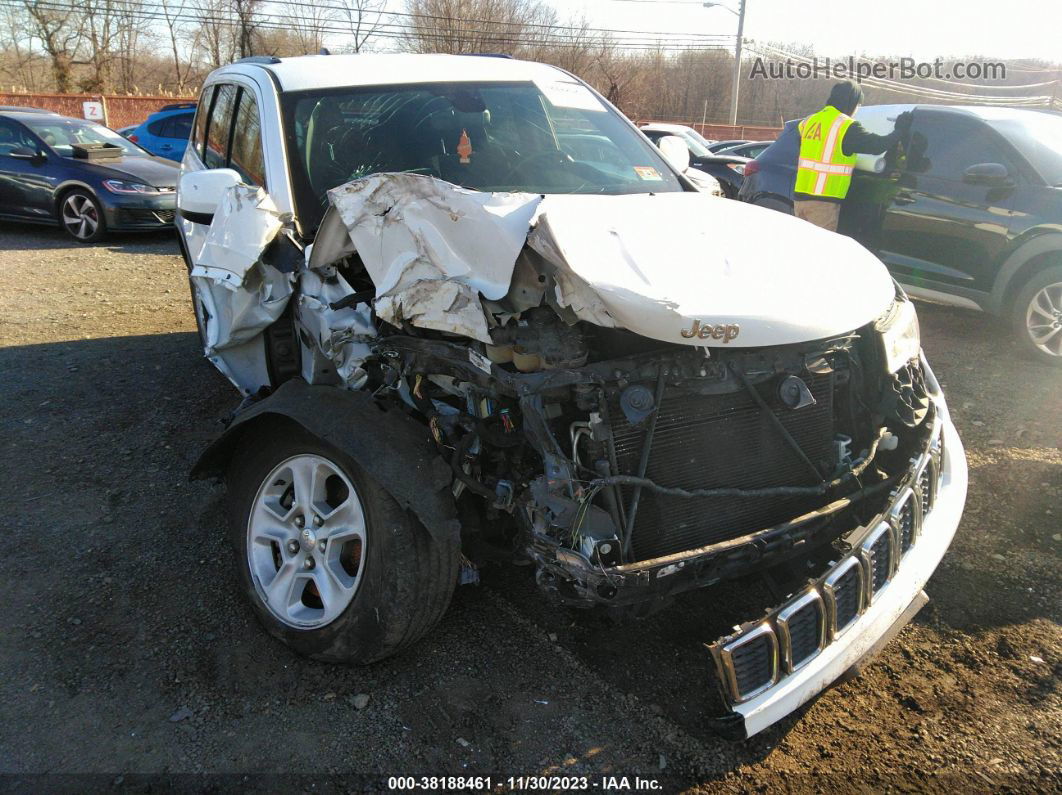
[(717, 441)]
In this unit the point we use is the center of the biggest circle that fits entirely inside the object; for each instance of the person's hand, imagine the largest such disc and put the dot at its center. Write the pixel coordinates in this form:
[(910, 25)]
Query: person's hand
[(903, 122)]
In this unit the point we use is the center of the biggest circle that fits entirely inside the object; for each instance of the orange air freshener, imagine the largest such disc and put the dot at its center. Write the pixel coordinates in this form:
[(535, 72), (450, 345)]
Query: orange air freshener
[(464, 147)]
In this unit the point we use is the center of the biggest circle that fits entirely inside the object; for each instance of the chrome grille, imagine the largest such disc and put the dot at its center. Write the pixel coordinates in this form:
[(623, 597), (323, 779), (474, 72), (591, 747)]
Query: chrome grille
[(759, 655), (877, 555), (844, 595), (905, 517), (752, 662), (802, 630)]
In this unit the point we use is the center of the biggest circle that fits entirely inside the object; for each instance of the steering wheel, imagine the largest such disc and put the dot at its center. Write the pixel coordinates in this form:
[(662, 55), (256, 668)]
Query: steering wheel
[(555, 155)]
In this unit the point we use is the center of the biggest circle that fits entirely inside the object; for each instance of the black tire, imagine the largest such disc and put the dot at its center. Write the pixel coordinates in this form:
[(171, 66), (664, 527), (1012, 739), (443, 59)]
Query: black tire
[(198, 310), (81, 216), (408, 576), (1020, 309), (774, 204)]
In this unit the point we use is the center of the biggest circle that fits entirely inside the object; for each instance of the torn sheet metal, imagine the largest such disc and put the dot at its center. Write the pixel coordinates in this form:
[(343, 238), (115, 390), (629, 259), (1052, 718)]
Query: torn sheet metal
[(342, 335), (245, 222), (432, 248)]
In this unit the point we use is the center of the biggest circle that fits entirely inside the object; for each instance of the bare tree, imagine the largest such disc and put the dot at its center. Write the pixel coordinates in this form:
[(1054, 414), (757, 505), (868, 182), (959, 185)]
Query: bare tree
[(172, 13), (363, 19), (59, 33), (246, 12), (466, 26)]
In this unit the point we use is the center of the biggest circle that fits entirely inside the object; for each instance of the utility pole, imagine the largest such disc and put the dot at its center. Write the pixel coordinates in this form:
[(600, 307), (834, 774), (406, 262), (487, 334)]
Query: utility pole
[(737, 64), (735, 93)]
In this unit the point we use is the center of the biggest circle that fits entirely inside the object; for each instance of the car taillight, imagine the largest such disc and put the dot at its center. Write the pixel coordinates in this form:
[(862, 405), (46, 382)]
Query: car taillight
[(751, 167), (133, 138)]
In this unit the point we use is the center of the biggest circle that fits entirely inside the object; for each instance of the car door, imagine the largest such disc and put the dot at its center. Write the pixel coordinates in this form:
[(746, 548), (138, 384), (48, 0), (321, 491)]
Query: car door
[(941, 228), (27, 183), (173, 136)]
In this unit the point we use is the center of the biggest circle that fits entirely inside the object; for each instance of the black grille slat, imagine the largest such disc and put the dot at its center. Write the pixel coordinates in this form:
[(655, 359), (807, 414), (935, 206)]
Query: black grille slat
[(880, 552), (846, 598), (719, 441), (753, 664), (905, 521), (925, 489), (804, 633)]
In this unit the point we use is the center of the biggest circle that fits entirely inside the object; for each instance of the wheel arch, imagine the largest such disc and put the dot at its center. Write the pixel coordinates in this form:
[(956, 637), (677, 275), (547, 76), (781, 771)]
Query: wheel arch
[(1027, 260), (64, 188), (354, 423)]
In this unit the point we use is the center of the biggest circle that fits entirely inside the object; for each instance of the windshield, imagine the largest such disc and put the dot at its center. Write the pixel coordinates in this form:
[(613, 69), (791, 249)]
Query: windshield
[(1038, 136), (696, 144), (486, 136), (61, 134)]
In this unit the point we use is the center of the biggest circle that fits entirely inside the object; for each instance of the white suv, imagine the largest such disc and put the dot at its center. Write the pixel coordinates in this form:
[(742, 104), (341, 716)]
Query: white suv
[(476, 315)]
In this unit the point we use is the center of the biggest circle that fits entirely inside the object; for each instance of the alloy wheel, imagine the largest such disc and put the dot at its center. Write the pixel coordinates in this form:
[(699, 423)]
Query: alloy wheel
[(306, 536), (1043, 319), (80, 216)]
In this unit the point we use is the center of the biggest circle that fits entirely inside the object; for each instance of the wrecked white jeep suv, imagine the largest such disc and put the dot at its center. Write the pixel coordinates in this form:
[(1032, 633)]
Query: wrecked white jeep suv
[(474, 314)]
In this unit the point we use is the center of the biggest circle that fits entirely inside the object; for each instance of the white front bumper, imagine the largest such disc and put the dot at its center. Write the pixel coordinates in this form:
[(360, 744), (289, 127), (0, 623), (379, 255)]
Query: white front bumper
[(888, 607)]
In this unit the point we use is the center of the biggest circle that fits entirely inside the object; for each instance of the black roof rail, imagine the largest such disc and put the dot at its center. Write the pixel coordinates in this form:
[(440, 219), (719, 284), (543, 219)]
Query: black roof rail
[(491, 55), (178, 106), (258, 59)]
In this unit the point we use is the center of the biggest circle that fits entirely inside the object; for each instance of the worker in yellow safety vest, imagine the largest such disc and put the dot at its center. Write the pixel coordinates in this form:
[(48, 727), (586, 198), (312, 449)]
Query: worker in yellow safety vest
[(829, 143)]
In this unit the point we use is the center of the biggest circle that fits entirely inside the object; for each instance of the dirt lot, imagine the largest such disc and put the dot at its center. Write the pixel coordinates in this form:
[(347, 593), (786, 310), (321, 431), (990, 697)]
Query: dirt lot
[(126, 651)]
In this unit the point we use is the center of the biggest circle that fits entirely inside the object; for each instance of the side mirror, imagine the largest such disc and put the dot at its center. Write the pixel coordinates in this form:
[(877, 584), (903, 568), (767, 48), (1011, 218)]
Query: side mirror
[(25, 153), (201, 191), (992, 174), (675, 152)]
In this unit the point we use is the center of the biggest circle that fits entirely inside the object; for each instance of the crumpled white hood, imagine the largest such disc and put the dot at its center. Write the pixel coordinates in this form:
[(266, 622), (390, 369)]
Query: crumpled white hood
[(660, 263)]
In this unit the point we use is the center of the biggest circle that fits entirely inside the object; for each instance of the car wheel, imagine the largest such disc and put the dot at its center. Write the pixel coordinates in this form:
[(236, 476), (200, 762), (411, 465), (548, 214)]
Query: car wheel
[(82, 217), (774, 204), (1038, 316), (331, 564), (201, 316)]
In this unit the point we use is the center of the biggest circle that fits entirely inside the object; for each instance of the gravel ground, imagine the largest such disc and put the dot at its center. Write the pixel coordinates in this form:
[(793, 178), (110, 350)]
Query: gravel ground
[(127, 652)]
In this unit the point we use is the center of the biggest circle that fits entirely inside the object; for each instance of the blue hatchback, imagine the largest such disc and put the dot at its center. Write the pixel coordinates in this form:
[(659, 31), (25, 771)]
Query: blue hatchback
[(165, 132)]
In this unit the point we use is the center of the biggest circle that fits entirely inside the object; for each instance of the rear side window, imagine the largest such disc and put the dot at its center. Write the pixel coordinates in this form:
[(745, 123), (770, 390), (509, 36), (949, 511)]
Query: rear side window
[(180, 126), (219, 126), (158, 127), (201, 115), (246, 155)]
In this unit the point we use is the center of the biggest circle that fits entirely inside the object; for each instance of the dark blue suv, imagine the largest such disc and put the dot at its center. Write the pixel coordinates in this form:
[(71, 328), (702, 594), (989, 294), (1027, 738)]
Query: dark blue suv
[(165, 132), (967, 210)]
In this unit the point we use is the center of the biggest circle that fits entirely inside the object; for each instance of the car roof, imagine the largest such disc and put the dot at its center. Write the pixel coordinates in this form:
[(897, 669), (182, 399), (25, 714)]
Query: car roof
[(18, 113), (662, 127), (986, 112), (372, 69)]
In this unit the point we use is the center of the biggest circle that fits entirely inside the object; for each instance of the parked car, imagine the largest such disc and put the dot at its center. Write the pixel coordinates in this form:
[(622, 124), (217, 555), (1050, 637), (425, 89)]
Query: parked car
[(969, 213), (750, 149), (165, 132), (696, 140), (720, 146), (81, 175), (727, 169), (457, 341)]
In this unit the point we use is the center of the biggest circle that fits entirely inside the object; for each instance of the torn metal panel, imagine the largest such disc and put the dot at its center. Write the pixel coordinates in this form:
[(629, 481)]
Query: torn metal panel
[(245, 222), (342, 335), (432, 248)]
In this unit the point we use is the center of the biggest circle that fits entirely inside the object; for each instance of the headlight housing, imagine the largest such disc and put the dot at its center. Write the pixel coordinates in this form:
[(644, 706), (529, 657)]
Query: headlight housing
[(900, 335), (121, 186)]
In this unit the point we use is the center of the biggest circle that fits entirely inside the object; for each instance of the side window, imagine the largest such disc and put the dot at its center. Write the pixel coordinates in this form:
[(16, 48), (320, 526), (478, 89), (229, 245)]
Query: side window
[(945, 146), (181, 126), (202, 112), (13, 136), (246, 155), (219, 126), (158, 127)]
